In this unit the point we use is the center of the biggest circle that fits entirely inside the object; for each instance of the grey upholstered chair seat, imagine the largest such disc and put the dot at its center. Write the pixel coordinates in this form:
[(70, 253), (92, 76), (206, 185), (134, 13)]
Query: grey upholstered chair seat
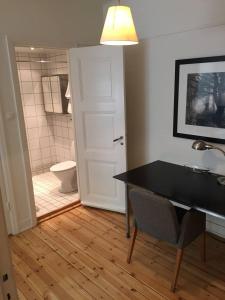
[(156, 216)]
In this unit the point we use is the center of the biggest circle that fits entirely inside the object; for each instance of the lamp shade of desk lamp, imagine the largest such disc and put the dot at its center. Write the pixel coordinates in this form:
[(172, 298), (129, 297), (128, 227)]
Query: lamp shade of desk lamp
[(201, 145), (119, 27)]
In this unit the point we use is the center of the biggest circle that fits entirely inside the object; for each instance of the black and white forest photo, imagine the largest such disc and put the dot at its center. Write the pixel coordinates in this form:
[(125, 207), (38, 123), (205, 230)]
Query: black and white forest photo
[(205, 104)]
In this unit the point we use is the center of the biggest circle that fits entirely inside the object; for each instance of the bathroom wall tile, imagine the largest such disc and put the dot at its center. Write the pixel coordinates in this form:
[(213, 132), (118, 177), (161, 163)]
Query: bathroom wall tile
[(37, 88), (65, 132), (31, 122), (71, 134), (33, 144), (53, 151), (42, 121), (44, 67), (37, 165), (28, 99), (35, 66), (40, 110), (23, 57), (24, 66), (46, 152), (34, 56), (58, 131), (44, 142), (29, 111), (32, 133), (36, 75), (35, 154), (43, 132), (46, 161), (38, 98), (51, 140), (25, 75), (27, 87)]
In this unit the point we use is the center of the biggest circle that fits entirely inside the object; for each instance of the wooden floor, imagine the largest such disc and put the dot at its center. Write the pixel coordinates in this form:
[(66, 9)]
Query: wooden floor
[(82, 255)]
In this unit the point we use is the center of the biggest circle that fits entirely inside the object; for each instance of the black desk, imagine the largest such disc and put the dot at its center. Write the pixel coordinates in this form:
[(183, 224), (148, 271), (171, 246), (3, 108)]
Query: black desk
[(180, 184)]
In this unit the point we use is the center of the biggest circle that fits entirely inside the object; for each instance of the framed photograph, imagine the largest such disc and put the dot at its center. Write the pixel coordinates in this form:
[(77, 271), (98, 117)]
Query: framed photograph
[(199, 100)]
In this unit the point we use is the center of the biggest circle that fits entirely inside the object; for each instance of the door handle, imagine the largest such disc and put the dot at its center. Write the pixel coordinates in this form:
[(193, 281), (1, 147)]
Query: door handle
[(118, 139)]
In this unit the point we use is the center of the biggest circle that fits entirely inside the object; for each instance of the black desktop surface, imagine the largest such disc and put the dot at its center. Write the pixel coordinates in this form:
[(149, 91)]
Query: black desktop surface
[(179, 184)]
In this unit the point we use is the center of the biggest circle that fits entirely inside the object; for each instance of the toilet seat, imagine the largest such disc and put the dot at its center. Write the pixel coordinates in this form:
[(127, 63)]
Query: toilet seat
[(63, 166)]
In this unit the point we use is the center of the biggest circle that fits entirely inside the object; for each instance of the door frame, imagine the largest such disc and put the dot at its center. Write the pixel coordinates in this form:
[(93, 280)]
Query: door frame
[(10, 208), (9, 286), (11, 116)]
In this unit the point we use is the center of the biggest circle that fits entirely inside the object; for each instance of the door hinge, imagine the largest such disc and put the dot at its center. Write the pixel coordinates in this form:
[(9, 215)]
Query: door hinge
[(5, 277)]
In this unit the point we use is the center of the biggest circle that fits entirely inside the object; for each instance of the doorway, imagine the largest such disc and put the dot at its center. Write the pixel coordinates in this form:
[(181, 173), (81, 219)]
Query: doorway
[(98, 106), (46, 102)]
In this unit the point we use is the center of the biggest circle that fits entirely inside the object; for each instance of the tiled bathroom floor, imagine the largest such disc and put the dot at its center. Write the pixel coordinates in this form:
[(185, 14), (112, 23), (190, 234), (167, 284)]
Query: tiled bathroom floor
[(47, 196)]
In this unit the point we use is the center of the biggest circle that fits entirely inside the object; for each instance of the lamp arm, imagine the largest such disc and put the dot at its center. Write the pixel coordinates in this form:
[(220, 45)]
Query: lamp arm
[(219, 149)]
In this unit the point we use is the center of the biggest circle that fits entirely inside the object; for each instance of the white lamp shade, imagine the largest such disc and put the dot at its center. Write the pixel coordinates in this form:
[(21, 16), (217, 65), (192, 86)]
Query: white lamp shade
[(119, 27)]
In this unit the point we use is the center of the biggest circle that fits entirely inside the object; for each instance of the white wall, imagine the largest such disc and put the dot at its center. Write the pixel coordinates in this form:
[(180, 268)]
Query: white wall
[(51, 23), (150, 89), (150, 77)]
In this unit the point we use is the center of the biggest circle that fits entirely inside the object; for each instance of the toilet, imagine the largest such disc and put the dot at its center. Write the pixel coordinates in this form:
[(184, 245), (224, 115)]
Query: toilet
[(66, 173)]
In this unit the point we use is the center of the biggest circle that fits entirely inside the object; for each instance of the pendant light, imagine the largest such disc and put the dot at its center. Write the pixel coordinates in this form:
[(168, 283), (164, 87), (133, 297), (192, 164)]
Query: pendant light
[(119, 27)]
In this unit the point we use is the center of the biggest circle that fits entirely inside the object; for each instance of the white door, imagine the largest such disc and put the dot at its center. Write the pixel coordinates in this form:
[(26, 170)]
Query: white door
[(97, 84)]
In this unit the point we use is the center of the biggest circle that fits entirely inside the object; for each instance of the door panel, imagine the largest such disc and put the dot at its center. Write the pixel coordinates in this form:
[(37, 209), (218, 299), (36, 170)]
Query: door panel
[(103, 124), (96, 79), (97, 84)]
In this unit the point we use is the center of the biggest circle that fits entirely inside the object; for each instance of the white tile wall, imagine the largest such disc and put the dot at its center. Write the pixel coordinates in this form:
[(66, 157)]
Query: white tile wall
[(36, 120), (62, 124), (63, 134), (49, 136)]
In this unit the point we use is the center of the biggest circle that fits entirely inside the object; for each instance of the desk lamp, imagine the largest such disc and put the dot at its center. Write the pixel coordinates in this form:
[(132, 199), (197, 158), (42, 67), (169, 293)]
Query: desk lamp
[(201, 145)]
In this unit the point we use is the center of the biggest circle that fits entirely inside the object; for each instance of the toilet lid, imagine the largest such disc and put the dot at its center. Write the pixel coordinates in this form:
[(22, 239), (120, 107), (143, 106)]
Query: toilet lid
[(65, 165)]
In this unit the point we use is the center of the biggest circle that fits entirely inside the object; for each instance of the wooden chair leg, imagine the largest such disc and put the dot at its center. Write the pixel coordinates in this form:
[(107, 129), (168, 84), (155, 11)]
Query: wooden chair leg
[(177, 269), (203, 247), (132, 244)]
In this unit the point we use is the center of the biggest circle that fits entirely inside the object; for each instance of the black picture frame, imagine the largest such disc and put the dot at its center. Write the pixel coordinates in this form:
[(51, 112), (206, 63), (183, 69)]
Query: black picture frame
[(178, 64)]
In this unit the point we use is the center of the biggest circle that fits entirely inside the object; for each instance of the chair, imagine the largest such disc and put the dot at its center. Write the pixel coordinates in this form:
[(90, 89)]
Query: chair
[(157, 217)]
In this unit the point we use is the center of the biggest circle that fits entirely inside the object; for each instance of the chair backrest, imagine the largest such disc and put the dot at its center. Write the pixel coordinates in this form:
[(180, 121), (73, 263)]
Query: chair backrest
[(155, 215)]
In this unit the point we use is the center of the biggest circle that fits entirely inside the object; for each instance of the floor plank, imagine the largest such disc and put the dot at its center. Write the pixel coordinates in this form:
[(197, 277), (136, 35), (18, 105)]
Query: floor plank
[(81, 254)]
